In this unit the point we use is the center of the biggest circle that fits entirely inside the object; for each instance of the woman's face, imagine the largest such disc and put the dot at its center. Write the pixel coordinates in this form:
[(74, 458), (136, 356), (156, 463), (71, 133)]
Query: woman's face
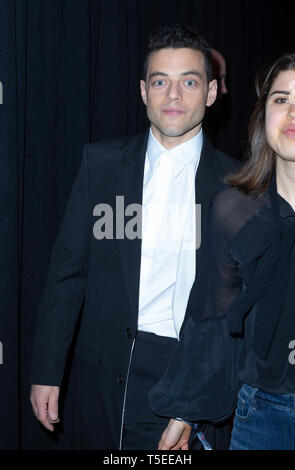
[(280, 116)]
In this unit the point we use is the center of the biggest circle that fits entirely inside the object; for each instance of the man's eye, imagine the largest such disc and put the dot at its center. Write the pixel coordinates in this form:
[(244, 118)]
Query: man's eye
[(159, 82), (190, 83)]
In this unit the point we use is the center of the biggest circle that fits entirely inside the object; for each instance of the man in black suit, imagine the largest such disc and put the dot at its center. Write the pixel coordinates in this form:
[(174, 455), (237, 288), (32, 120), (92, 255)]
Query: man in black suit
[(136, 285)]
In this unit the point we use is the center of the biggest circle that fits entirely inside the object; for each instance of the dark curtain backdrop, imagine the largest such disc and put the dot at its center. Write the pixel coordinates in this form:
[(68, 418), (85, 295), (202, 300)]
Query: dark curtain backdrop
[(70, 71)]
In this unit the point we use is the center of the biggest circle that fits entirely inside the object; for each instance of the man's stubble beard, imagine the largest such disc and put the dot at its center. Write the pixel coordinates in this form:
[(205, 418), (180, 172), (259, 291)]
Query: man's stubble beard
[(179, 132)]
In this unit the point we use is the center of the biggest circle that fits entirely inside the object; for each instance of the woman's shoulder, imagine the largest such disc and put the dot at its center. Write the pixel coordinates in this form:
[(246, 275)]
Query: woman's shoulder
[(229, 200), (231, 209)]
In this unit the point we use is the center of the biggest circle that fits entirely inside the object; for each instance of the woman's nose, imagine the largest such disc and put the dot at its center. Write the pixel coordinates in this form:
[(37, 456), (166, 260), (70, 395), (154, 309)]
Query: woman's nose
[(291, 110)]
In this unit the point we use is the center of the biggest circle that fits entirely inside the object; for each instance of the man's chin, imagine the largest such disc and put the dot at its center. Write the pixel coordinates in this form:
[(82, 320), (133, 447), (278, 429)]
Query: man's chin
[(174, 132)]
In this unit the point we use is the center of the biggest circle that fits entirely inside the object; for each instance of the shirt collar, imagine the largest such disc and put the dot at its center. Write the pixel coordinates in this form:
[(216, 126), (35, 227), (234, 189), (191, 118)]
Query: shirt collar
[(181, 155), (286, 210)]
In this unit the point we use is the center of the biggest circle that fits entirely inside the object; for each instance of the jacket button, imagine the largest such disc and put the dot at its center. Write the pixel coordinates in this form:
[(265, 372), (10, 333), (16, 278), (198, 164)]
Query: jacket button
[(120, 379), (129, 333)]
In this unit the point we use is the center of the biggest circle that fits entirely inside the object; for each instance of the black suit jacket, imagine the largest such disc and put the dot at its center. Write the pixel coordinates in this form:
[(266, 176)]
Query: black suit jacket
[(103, 275)]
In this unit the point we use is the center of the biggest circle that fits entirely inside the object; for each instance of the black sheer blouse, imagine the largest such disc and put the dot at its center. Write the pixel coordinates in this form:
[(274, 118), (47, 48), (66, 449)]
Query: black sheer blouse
[(243, 322)]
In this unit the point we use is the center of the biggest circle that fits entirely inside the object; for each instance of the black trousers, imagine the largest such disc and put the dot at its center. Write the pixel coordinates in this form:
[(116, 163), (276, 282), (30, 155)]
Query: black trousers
[(142, 428), (93, 424)]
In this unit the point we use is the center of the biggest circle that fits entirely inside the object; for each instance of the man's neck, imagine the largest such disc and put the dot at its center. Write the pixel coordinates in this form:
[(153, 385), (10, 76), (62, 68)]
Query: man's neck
[(172, 142)]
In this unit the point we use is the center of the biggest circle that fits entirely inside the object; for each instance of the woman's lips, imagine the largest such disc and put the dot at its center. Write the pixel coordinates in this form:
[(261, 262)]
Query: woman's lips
[(289, 132)]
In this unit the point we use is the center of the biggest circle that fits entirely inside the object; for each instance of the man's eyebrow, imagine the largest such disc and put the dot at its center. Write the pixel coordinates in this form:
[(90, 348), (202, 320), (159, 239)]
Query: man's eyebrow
[(193, 72), (162, 74), (287, 93), (158, 74)]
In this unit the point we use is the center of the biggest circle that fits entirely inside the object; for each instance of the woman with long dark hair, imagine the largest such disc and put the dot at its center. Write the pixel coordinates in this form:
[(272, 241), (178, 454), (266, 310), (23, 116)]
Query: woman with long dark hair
[(237, 350)]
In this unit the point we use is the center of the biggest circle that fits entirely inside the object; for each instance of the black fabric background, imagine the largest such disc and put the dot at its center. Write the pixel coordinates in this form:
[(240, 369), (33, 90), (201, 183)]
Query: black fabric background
[(70, 71)]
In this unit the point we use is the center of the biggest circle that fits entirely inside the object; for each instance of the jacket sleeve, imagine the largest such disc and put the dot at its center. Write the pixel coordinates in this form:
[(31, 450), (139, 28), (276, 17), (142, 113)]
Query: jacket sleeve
[(201, 381), (65, 286)]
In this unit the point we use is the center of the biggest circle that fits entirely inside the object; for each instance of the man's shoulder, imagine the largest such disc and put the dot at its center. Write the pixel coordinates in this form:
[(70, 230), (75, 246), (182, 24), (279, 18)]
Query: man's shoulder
[(109, 144), (227, 162), (111, 150)]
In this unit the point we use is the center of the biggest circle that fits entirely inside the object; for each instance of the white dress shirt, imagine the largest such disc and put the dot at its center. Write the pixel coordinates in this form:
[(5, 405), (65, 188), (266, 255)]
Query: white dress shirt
[(168, 235)]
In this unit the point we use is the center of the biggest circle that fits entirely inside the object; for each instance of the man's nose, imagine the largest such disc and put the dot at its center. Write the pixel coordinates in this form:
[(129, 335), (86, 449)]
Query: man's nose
[(174, 92)]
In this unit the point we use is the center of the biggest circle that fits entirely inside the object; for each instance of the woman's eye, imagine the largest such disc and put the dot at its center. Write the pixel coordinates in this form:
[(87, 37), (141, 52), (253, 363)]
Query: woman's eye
[(281, 100)]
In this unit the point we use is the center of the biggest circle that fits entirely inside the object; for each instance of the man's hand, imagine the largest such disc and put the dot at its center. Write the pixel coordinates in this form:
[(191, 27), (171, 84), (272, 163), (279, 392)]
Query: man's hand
[(175, 436), (44, 401)]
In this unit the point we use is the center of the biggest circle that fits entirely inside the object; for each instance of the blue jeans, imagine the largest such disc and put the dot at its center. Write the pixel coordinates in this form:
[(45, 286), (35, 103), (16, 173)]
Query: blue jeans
[(263, 421)]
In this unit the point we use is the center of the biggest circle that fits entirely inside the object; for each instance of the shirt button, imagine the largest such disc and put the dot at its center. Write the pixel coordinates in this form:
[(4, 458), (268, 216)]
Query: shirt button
[(129, 333), (120, 379)]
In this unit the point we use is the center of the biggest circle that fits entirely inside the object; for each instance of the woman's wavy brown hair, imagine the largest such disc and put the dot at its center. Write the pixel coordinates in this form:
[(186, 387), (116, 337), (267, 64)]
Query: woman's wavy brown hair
[(255, 175)]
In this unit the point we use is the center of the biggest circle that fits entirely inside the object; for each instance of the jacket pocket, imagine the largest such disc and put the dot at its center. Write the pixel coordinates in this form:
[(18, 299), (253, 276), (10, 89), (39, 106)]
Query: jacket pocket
[(88, 350)]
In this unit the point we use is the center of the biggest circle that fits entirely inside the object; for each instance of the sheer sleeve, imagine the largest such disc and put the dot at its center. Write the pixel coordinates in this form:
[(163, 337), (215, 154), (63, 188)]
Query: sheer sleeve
[(201, 381)]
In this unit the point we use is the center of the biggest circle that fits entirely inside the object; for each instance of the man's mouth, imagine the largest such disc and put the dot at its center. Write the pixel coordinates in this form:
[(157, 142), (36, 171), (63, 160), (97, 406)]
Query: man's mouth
[(173, 112)]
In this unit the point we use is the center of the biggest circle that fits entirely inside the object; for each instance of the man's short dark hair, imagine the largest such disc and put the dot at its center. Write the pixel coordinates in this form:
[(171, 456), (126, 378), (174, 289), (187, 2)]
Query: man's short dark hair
[(177, 37)]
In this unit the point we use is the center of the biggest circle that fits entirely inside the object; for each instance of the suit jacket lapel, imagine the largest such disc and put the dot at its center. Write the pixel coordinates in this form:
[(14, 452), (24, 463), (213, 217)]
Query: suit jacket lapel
[(130, 185), (207, 182), (207, 179)]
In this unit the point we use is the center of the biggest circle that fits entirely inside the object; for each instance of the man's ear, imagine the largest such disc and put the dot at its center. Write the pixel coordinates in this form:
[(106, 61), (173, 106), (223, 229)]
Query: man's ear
[(212, 93), (143, 91)]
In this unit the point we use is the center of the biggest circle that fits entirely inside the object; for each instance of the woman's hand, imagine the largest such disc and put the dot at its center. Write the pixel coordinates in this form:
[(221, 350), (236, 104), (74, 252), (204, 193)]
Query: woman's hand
[(175, 436)]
